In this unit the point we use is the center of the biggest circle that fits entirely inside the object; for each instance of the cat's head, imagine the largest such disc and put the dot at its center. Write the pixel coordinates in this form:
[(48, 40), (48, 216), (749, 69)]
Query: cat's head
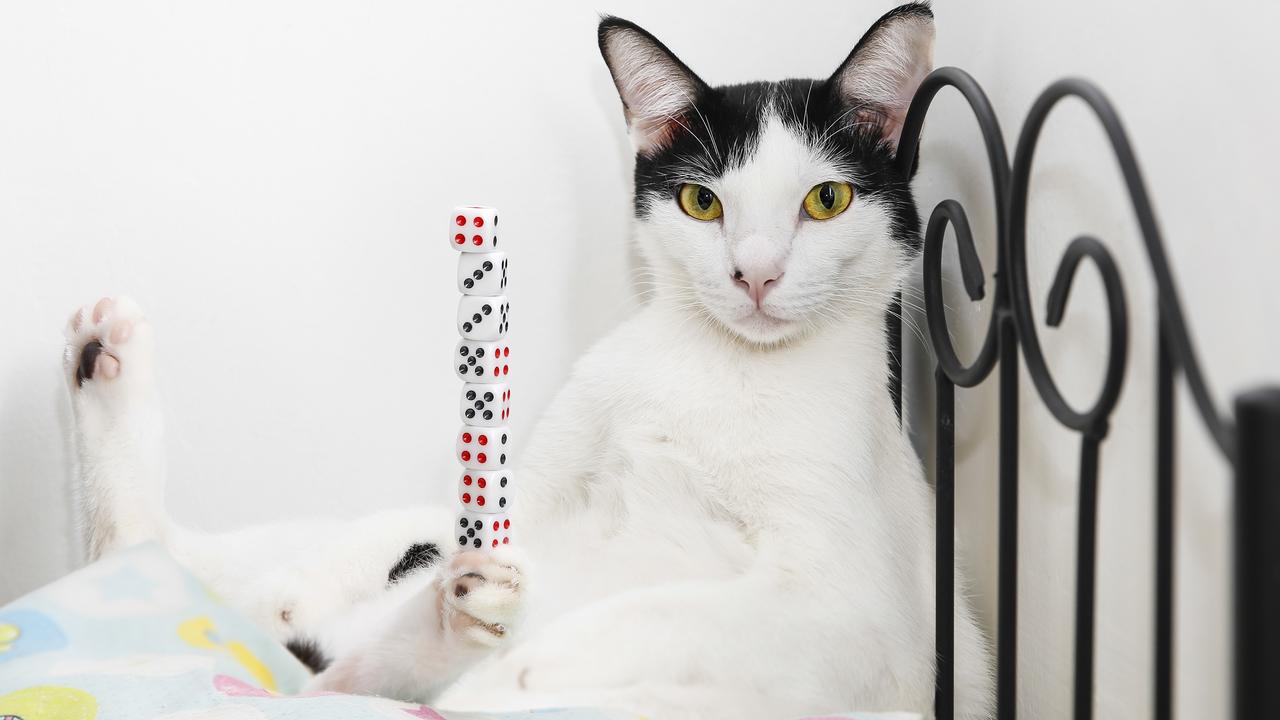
[(774, 207)]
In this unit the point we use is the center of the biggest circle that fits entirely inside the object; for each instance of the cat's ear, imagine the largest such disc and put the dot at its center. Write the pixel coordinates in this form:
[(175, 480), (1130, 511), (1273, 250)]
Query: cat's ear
[(886, 67), (657, 89)]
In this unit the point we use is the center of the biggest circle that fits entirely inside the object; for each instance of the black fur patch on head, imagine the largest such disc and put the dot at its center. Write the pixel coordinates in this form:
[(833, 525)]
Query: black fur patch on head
[(308, 653), (419, 555), (722, 131), (88, 356)]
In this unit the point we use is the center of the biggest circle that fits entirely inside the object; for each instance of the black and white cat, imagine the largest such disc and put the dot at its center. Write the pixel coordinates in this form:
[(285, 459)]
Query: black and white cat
[(721, 514)]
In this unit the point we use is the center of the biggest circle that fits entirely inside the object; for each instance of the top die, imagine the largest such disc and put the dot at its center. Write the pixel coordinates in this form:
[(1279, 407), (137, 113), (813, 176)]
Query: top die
[(473, 228)]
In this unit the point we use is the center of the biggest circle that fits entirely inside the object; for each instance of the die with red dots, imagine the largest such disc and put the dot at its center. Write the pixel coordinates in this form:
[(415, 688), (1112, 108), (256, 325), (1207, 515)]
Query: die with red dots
[(485, 491), (481, 531), (477, 361), (483, 448), (486, 405), (483, 317), (474, 229), (482, 273)]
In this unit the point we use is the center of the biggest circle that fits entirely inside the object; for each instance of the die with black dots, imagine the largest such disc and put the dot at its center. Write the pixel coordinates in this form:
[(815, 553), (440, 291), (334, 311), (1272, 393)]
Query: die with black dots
[(486, 405), (483, 530), (482, 273), (483, 317), (477, 361)]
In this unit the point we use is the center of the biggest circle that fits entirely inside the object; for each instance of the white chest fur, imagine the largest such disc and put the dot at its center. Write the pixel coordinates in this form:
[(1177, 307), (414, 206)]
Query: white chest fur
[(677, 453)]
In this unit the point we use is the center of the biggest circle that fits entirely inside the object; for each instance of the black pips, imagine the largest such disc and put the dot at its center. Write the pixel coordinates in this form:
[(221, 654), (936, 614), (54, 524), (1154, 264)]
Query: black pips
[(470, 533), (478, 404)]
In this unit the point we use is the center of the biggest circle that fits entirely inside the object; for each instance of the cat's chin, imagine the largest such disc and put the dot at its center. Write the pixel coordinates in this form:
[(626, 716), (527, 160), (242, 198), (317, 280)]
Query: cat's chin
[(761, 328)]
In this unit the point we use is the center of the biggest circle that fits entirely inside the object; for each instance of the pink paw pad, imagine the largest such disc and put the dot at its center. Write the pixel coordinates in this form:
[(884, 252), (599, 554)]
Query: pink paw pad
[(102, 308), (106, 366), (121, 332)]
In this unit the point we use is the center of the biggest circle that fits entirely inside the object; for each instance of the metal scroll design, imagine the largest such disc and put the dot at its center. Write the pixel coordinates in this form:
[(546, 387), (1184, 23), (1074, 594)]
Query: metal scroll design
[(1012, 325)]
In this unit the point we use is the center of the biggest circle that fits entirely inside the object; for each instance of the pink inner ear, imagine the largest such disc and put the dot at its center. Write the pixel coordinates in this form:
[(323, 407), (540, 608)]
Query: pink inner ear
[(651, 134), (889, 123)]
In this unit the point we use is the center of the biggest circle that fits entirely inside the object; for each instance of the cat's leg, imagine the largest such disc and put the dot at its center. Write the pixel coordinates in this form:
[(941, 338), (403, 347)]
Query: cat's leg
[(118, 432), (471, 606), (293, 577), (771, 643)]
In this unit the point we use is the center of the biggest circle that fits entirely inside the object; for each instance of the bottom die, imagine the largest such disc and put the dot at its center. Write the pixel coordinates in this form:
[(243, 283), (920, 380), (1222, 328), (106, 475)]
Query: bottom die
[(485, 491), (480, 531)]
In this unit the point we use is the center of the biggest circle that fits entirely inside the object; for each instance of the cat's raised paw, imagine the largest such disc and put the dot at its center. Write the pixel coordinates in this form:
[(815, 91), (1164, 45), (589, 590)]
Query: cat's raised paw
[(107, 342), (482, 595)]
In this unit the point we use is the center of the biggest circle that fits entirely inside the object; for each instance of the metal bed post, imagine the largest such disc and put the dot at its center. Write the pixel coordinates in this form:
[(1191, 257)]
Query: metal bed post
[(1257, 555)]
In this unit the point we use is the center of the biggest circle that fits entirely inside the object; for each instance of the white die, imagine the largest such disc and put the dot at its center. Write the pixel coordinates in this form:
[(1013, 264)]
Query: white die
[(486, 405), (485, 491), (483, 448), (481, 531), (483, 317), (473, 229), (482, 273), (482, 362)]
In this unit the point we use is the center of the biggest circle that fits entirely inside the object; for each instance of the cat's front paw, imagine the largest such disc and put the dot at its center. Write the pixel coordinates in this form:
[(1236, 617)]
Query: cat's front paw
[(482, 595), (108, 344)]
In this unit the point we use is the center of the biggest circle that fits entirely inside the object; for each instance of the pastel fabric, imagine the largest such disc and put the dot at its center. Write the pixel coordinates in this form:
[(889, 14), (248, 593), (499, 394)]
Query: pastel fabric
[(136, 636)]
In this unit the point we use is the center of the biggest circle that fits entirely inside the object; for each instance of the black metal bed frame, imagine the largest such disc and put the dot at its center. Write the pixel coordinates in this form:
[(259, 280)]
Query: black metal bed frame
[(1249, 437)]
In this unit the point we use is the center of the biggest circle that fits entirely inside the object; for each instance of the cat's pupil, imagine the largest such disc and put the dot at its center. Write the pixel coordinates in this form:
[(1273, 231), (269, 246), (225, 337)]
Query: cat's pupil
[(827, 196), (705, 198)]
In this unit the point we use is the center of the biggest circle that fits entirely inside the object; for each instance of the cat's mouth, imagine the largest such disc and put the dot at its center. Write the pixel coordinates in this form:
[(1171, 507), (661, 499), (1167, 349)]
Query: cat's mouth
[(759, 320), (764, 316)]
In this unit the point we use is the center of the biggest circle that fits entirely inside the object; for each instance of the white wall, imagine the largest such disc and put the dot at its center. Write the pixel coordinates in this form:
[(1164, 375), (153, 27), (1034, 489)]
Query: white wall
[(270, 182)]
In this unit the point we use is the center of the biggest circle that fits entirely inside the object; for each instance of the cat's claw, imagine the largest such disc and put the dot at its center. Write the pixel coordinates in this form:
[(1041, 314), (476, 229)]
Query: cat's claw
[(107, 342), (482, 595)]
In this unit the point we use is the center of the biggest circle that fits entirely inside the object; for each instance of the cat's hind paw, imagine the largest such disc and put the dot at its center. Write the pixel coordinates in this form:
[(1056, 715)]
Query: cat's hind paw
[(483, 595), (108, 343)]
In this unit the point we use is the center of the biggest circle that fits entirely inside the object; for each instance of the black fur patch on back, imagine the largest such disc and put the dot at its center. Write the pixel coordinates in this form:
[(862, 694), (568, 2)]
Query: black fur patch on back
[(419, 555), (308, 652)]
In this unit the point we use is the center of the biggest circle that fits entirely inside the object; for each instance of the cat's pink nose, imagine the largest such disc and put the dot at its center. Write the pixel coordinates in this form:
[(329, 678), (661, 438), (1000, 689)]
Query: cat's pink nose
[(758, 281)]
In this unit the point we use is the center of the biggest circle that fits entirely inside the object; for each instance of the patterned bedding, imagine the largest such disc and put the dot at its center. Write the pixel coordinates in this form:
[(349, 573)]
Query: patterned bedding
[(136, 636)]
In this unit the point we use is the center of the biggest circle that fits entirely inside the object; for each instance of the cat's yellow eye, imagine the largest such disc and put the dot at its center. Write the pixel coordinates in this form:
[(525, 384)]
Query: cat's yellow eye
[(699, 202), (827, 200)]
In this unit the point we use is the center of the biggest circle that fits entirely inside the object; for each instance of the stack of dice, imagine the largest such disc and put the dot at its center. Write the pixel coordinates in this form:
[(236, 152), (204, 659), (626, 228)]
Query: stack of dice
[(481, 361)]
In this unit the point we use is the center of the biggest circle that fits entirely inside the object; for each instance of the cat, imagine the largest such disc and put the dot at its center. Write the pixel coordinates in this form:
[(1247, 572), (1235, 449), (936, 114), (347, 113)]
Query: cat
[(720, 514)]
